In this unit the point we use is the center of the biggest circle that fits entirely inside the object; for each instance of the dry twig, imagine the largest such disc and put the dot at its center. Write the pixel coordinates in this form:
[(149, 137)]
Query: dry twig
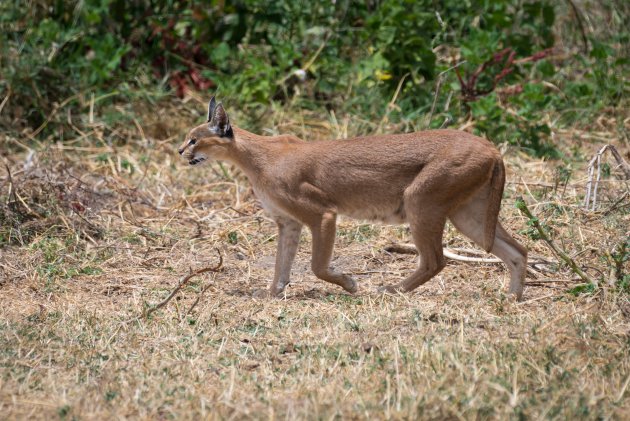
[(590, 199), (183, 282)]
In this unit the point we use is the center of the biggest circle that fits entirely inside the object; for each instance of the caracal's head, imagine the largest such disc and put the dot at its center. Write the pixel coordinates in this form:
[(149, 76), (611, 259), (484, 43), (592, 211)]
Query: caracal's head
[(209, 140)]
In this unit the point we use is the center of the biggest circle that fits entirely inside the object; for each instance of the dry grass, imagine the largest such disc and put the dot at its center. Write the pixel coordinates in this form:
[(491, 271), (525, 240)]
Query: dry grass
[(94, 235)]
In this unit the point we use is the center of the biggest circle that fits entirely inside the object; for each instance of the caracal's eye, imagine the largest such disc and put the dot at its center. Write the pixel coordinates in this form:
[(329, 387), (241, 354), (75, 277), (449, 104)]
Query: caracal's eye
[(192, 141)]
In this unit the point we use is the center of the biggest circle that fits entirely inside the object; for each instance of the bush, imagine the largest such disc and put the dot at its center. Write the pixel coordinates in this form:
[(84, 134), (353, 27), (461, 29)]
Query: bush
[(347, 55)]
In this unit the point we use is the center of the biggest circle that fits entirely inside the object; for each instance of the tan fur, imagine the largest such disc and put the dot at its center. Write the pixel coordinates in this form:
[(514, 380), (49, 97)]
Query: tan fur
[(419, 178)]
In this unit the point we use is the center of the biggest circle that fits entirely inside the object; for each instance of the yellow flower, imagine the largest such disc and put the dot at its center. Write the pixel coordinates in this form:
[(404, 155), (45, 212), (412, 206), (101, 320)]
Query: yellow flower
[(383, 75)]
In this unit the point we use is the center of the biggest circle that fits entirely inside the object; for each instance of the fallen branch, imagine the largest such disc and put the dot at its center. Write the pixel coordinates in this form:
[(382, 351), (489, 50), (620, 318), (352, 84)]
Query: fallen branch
[(553, 281), (453, 256), (451, 253), (183, 282)]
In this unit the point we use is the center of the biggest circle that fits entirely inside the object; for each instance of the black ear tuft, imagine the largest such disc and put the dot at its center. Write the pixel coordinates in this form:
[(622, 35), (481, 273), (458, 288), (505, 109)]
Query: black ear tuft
[(211, 106), (220, 122)]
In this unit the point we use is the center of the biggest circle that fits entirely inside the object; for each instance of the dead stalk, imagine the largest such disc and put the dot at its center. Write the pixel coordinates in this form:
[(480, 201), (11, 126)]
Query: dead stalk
[(183, 282), (522, 206), (594, 167)]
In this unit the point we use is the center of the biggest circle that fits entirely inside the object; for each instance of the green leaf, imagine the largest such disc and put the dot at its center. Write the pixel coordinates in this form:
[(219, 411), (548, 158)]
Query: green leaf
[(549, 15)]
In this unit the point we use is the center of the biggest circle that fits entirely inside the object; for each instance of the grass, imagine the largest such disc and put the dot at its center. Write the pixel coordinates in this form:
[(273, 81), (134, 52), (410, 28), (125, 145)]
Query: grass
[(97, 231)]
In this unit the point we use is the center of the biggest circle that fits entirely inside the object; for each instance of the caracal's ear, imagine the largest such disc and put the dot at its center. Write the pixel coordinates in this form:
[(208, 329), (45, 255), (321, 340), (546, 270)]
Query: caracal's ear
[(220, 122), (211, 106)]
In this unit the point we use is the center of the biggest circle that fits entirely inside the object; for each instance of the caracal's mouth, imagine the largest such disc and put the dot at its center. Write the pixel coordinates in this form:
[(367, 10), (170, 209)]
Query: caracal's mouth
[(196, 161)]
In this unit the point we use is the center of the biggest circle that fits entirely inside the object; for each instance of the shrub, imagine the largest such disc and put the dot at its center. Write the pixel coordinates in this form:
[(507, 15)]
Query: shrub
[(350, 55)]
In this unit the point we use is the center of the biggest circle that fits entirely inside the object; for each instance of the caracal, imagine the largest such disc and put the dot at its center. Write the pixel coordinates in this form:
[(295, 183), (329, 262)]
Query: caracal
[(421, 178)]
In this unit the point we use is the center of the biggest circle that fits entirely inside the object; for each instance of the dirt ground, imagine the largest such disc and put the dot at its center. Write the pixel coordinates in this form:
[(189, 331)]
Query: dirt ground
[(96, 232)]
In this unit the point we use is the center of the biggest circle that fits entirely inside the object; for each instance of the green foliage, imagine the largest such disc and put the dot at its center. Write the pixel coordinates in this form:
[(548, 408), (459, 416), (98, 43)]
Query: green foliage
[(563, 175), (539, 231), (583, 289), (347, 55), (536, 230), (233, 237), (63, 411), (403, 33), (618, 260), (525, 127)]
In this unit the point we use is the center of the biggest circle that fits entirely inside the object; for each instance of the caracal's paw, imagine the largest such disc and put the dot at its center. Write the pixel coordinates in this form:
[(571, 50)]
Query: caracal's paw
[(515, 297), (516, 294), (349, 284)]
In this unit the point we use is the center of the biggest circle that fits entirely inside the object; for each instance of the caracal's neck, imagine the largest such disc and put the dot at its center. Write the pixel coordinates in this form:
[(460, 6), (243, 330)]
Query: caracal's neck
[(250, 152)]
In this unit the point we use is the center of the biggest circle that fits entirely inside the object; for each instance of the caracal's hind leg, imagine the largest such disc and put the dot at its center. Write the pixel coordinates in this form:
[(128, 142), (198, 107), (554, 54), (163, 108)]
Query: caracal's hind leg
[(469, 219), (427, 236), (323, 232), (428, 201), (514, 255), (426, 223)]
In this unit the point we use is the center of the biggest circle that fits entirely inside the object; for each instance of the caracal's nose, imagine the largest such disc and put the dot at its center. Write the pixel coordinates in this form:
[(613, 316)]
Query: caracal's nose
[(181, 151)]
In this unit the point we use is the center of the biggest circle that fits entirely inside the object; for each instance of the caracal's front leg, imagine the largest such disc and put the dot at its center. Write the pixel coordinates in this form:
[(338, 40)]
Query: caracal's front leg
[(323, 232), (288, 239)]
